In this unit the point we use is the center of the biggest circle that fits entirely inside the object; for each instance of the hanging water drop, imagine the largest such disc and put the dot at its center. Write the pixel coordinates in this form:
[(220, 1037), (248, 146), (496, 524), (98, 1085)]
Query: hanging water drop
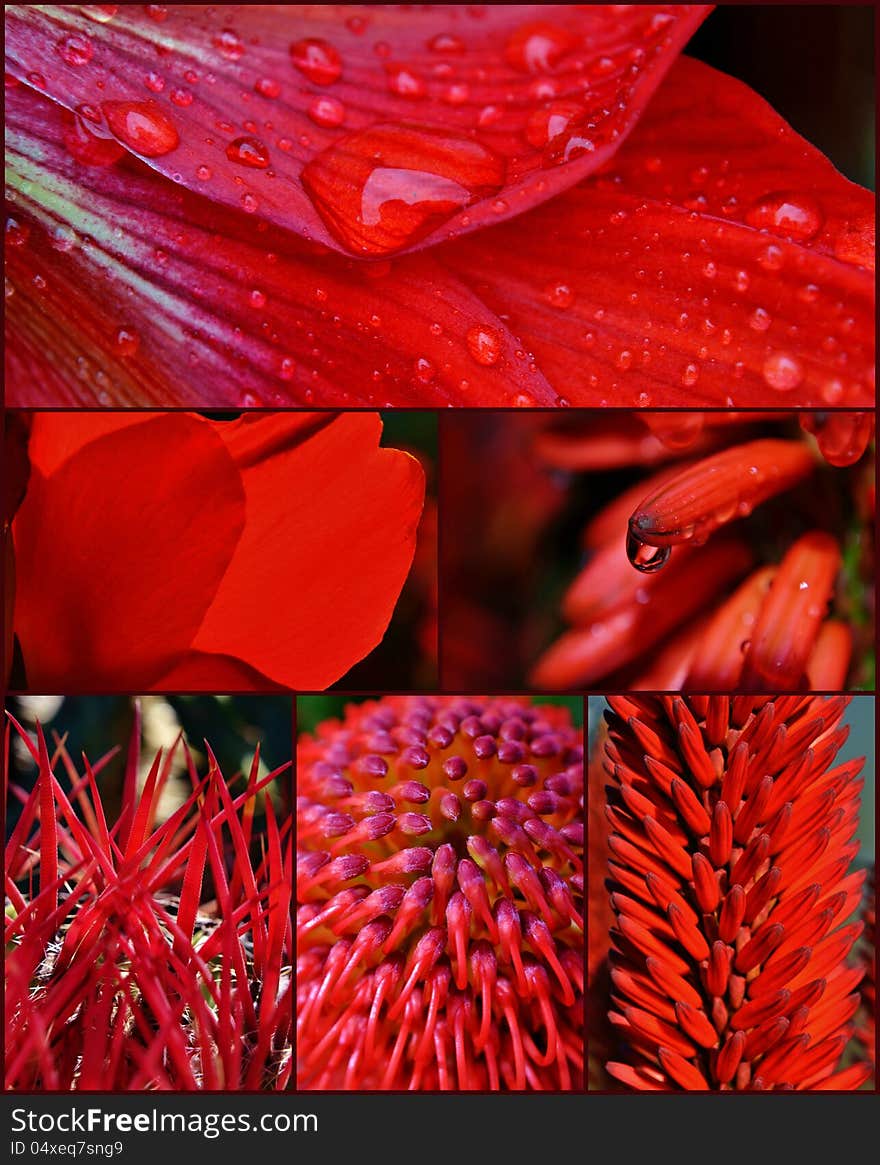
[(644, 557)]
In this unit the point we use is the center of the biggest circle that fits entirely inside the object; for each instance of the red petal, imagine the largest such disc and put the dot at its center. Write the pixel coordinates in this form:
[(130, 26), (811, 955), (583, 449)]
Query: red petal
[(114, 571), (128, 291), (475, 113), (313, 582), (681, 284)]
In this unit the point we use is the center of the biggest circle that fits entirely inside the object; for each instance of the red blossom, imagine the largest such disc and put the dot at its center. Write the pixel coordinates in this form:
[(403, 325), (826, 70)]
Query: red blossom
[(120, 974), (261, 552), (440, 887), (598, 220), (730, 847)]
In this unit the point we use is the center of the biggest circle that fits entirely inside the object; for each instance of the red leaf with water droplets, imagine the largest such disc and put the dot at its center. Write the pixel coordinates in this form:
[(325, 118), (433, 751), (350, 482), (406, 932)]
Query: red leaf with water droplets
[(308, 516), (131, 291), (718, 259), (369, 129)]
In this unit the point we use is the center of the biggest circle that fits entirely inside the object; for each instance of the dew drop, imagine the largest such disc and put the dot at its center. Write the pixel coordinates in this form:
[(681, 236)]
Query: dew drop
[(63, 238), (127, 341), (157, 12), (181, 97), (771, 259), (387, 186), (424, 370), (832, 391), (267, 87), (538, 47), (558, 295), (317, 60), (248, 152), (100, 13), (204, 173), (286, 368), (142, 126), (229, 44), (249, 203), (547, 124), (75, 49), (445, 43), (155, 82), (759, 320), (691, 375), (17, 233), (484, 345), (328, 112), (783, 372), (791, 215), (257, 298), (624, 360), (643, 557), (403, 82)]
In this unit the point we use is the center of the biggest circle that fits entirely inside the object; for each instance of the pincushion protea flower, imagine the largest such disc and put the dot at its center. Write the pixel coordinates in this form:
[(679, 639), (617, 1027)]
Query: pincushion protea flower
[(440, 885), (730, 849), (120, 975)]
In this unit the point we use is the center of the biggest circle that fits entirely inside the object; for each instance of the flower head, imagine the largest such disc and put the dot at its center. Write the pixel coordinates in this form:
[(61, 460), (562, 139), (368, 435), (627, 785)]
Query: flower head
[(493, 205), (440, 883), (730, 853), (122, 971)]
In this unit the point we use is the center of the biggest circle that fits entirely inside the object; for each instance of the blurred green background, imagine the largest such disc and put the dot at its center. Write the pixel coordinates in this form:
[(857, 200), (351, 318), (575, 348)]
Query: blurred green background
[(233, 725), (311, 710)]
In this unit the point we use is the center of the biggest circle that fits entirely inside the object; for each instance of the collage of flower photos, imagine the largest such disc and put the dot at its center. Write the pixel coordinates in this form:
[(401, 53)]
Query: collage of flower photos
[(439, 535)]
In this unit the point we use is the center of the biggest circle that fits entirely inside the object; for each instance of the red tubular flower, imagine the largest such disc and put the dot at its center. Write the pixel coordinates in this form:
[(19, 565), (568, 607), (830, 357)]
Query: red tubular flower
[(775, 631), (440, 887), (286, 578), (120, 975), (598, 220), (867, 1030), (730, 849)]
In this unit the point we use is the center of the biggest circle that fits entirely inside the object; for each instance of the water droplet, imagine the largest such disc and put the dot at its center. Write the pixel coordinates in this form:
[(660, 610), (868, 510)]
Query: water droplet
[(75, 49), (691, 375), (181, 97), (404, 82), (771, 259), (643, 557), (484, 344), (759, 320), (63, 238), (624, 360), (203, 173), (249, 203), (142, 126), (783, 372), (791, 215), (445, 43), (318, 61), (424, 370), (538, 47), (17, 233), (558, 295), (546, 124), (387, 186), (229, 44), (248, 152), (100, 13), (268, 87), (524, 400), (250, 400), (37, 80), (127, 341), (157, 12), (327, 112), (257, 298), (287, 367), (832, 391), (155, 82)]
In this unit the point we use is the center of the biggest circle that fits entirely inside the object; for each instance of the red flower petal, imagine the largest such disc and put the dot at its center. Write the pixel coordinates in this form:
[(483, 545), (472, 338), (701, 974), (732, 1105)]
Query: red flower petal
[(129, 291), (114, 574), (371, 128), (688, 277), (321, 572)]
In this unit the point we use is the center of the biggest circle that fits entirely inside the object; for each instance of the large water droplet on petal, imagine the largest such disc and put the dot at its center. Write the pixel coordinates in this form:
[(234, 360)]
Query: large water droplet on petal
[(229, 44), (791, 215), (327, 112), (554, 119), (484, 345), (783, 372), (644, 557), (142, 126), (317, 60), (390, 185)]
